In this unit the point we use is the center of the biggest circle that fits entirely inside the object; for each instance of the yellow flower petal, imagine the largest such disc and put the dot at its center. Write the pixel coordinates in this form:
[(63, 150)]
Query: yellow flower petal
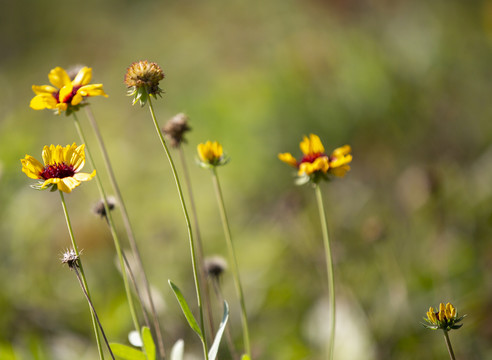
[(340, 161), (65, 93), (341, 151), (340, 171), (210, 152), (92, 90), (83, 77), (43, 101), (84, 176), (44, 89), (68, 184), (320, 164), (288, 159), (59, 77), (77, 99), (32, 167), (311, 145)]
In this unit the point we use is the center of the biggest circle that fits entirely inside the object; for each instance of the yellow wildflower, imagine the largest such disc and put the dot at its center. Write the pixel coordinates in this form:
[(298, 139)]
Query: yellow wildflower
[(211, 154), (445, 318), (315, 163), (61, 167), (65, 94)]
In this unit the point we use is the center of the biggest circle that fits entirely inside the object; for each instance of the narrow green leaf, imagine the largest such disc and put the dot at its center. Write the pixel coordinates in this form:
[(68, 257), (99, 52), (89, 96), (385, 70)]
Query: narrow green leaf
[(186, 310), (177, 352), (212, 354), (124, 352), (148, 343)]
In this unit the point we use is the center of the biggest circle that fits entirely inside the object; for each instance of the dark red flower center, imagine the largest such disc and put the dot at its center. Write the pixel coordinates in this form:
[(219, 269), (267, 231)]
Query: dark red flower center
[(310, 158), (68, 98), (59, 171)]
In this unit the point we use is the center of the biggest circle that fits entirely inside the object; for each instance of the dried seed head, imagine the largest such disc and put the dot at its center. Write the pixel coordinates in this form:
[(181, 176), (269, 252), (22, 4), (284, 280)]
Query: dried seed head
[(70, 257), (215, 266), (142, 79), (175, 129), (99, 208)]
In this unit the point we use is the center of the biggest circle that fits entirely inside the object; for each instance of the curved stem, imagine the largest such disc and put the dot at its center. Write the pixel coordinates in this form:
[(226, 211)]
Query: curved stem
[(233, 259), (82, 274), (448, 345), (112, 229), (329, 269), (188, 225), (130, 233)]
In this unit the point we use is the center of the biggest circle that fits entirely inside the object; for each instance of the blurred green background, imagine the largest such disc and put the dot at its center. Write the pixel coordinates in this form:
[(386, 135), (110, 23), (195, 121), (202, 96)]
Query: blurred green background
[(406, 83)]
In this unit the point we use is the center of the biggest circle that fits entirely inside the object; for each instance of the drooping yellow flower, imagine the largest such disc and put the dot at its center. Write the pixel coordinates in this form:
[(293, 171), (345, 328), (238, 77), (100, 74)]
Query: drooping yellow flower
[(315, 163), (61, 167), (445, 318), (65, 94), (211, 154)]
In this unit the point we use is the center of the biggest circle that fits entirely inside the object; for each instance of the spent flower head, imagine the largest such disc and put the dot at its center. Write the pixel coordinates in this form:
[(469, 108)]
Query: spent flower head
[(61, 167), (67, 94), (100, 209), (211, 154), (142, 79), (215, 266), (175, 129), (70, 258), (445, 318), (315, 164)]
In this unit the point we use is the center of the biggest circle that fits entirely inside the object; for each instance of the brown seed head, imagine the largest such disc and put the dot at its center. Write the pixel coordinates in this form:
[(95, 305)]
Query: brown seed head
[(144, 74), (175, 129)]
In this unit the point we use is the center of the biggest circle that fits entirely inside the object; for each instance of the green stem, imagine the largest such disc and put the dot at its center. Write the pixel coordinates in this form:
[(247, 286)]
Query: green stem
[(92, 307), (130, 233), (329, 269), (112, 228), (188, 225), (448, 345), (82, 275), (232, 256), (199, 254)]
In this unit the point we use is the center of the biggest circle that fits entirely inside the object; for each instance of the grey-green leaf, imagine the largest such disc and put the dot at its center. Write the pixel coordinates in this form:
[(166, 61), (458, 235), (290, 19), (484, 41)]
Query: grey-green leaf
[(212, 354), (148, 343), (124, 352), (186, 310)]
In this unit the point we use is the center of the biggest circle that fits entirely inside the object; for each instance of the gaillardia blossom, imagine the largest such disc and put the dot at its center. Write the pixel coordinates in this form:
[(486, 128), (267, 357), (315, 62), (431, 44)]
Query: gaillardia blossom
[(211, 154), (65, 94), (61, 167), (446, 318), (142, 79), (315, 163)]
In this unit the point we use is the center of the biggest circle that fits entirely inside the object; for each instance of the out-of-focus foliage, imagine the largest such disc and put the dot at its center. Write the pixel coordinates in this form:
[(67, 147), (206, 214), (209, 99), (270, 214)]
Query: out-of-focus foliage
[(406, 83)]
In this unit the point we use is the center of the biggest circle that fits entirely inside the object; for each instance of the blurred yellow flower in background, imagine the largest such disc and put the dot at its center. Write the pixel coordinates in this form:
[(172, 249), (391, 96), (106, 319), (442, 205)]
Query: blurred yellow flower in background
[(211, 154), (61, 167), (315, 164), (65, 94)]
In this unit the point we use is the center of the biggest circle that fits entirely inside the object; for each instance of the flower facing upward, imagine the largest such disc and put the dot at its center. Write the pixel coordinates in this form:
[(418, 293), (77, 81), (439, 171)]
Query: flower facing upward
[(142, 79), (65, 94), (211, 154), (61, 167), (445, 319), (315, 164)]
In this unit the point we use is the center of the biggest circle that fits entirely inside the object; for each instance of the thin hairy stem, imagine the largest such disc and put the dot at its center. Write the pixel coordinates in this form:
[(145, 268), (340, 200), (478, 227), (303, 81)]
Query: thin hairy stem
[(329, 269), (233, 260), (188, 225), (93, 309), (82, 274), (131, 236), (112, 228)]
